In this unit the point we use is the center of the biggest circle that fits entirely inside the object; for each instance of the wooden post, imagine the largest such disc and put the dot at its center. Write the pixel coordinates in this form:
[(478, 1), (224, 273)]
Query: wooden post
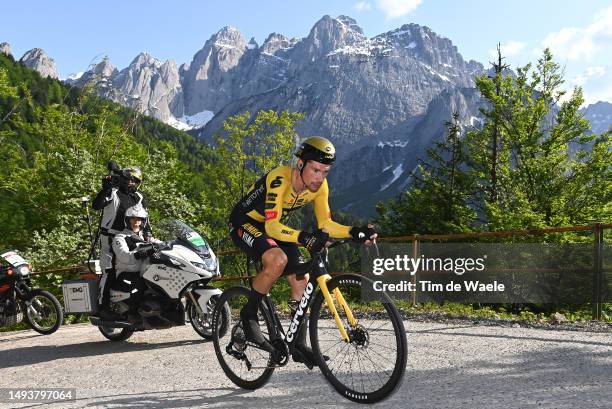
[(597, 271)]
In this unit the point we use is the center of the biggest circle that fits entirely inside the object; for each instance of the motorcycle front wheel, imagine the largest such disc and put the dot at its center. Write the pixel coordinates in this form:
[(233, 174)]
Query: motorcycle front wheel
[(43, 312), (202, 323)]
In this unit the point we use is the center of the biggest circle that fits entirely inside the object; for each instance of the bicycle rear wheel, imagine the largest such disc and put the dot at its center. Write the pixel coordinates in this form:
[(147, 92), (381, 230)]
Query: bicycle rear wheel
[(370, 367), (245, 365)]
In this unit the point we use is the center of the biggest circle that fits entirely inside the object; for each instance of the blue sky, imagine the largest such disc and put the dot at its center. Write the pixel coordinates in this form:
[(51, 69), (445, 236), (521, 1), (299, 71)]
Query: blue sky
[(75, 33)]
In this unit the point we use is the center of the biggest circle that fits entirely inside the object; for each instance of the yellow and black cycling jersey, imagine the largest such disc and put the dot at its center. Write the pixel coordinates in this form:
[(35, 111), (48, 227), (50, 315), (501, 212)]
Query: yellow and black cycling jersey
[(272, 197)]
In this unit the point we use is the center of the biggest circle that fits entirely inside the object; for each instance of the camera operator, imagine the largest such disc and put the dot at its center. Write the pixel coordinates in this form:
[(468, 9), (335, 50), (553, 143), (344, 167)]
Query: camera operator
[(119, 192)]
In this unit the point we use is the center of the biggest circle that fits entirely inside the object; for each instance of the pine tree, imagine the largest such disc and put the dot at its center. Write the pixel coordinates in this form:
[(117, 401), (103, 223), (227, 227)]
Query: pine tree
[(536, 168), (438, 199)]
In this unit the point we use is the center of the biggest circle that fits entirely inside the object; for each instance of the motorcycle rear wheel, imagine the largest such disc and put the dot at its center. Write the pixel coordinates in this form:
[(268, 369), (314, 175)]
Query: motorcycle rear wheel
[(116, 334)]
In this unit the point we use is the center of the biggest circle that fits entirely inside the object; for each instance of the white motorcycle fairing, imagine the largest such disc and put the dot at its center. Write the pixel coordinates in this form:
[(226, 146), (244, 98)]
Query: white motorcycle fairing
[(189, 268), (205, 295)]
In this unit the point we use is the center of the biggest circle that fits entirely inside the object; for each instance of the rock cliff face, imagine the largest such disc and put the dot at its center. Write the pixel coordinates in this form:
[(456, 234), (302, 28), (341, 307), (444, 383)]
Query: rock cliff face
[(383, 100), (5, 48), (38, 60), (356, 90), (599, 115)]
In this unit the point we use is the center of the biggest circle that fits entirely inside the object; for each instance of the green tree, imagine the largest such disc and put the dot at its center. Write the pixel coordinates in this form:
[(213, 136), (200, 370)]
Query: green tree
[(532, 164), (246, 150), (544, 150)]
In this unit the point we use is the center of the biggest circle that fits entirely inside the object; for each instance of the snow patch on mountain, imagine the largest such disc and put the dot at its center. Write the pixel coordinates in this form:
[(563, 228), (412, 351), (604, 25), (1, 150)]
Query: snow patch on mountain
[(396, 144), (397, 172), (187, 122)]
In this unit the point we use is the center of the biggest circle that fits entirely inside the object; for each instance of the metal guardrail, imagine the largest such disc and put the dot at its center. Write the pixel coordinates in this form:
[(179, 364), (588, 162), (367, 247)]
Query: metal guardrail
[(598, 270)]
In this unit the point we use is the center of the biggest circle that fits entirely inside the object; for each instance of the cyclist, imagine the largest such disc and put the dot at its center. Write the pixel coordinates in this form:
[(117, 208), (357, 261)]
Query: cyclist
[(256, 226)]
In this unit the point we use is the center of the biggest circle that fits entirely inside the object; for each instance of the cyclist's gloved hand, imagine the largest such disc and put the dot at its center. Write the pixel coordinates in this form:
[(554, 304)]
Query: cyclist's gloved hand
[(314, 242), (144, 251), (363, 233)]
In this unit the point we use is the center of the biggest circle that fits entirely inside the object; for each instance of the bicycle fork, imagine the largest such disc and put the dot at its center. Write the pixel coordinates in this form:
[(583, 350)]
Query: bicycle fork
[(322, 281)]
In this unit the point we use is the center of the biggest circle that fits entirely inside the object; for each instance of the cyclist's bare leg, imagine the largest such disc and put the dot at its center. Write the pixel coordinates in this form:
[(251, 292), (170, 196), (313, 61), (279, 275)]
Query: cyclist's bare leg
[(297, 286), (274, 262)]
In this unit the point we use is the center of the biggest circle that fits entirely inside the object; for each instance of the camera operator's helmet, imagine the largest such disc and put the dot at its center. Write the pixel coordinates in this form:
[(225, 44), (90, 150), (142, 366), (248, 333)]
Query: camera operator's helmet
[(136, 211), (317, 149), (132, 173)]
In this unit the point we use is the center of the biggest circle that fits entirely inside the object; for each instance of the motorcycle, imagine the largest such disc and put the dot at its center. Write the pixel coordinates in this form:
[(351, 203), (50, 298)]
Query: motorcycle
[(174, 282), (18, 300)]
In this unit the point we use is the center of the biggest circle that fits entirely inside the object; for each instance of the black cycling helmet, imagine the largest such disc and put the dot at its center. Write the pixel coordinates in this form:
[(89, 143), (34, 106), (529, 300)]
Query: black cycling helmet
[(317, 149)]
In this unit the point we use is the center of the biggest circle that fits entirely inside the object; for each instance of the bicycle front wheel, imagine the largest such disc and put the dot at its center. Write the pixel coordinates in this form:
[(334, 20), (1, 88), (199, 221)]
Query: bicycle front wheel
[(369, 367)]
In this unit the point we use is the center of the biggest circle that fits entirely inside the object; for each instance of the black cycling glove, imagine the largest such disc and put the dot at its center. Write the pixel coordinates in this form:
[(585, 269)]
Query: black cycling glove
[(314, 242), (362, 234)]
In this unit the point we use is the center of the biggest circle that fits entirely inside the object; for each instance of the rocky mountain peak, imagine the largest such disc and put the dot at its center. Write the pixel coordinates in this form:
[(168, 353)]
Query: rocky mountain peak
[(104, 68), (228, 37), (422, 42), (327, 35), (275, 42), (144, 59), (351, 23), (38, 60), (5, 48), (252, 45)]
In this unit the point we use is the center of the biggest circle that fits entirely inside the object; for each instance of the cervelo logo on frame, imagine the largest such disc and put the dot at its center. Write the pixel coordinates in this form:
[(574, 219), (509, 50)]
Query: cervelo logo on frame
[(300, 311)]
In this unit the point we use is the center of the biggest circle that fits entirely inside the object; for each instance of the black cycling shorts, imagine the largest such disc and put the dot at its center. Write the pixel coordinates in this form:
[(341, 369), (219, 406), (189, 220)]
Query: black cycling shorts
[(250, 236)]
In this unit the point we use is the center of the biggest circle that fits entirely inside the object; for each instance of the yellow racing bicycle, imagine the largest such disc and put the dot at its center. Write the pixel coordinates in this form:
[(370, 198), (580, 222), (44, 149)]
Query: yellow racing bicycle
[(360, 346)]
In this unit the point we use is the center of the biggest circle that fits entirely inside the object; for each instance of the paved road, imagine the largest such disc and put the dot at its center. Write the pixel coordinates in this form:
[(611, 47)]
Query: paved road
[(449, 365)]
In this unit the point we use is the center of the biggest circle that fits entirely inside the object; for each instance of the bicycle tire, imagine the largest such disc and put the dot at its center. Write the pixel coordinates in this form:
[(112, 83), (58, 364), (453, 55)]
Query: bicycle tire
[(364, 340), (236, 298)]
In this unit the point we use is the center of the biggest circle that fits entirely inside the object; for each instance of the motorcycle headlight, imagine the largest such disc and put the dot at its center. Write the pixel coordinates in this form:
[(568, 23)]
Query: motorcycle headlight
[(208, 265), (24, 270), (211, 264)]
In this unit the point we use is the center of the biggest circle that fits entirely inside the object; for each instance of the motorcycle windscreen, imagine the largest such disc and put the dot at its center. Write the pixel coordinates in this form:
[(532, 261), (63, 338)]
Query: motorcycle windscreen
[(177, 229), (13, 258)]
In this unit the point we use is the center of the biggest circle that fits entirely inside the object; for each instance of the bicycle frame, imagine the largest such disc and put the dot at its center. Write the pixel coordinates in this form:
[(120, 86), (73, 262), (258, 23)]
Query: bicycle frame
[(318, 277)]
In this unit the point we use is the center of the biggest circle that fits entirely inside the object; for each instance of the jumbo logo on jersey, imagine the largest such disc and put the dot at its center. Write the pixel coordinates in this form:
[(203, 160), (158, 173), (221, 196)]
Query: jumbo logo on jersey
[(251, 229)]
